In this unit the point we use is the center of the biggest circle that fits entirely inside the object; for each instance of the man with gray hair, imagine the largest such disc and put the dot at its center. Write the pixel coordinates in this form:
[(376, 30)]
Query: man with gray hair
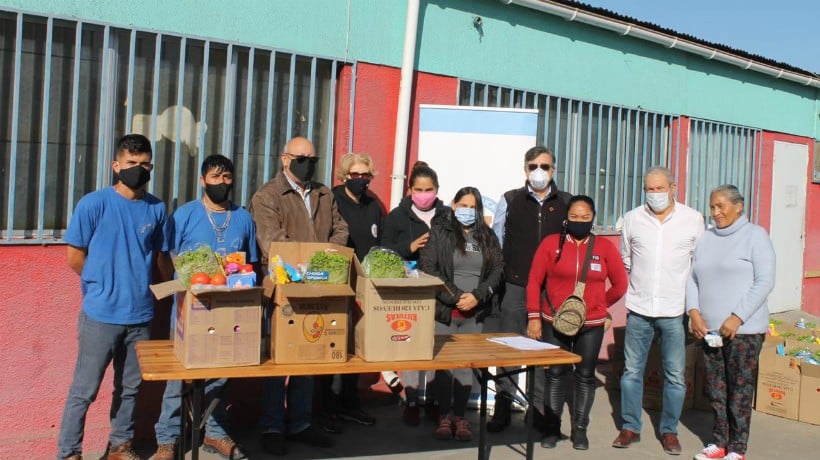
[(658, 241)]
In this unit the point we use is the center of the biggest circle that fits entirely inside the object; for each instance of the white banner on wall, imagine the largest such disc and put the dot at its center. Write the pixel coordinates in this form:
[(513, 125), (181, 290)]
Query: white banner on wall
[(481, 147)]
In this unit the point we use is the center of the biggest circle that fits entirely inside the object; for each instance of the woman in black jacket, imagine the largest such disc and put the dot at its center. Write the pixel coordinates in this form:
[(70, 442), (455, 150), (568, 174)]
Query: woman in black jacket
[(406, 231), (464, 252)]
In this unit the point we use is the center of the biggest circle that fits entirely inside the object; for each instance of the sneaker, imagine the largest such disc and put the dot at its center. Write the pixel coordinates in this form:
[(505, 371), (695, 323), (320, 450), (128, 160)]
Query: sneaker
[(224, 447), (734, 456), (412, 415), (711, 451), (330, 423), (462, 429), (445, 428), (358, 416), (123, 452), (165, 452), (312, 437), (274, 444)]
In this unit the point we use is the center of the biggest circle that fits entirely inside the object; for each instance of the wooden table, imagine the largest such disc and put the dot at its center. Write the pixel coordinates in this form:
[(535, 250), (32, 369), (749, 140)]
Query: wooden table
[(158, 362)]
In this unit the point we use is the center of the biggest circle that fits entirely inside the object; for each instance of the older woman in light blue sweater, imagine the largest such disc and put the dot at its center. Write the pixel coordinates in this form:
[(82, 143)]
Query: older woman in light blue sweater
[(732, 275)]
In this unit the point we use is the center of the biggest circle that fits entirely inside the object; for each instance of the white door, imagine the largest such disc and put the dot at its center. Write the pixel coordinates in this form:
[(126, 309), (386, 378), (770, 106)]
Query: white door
[(788, 223)]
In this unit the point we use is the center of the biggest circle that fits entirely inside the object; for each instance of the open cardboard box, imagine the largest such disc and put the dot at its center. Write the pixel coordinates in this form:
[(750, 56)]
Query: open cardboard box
[(216, 326), (395, 317), (309, 321)]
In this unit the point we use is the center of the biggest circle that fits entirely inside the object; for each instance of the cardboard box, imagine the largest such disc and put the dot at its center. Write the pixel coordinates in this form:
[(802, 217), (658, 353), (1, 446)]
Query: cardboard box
[(217, 327), (395, 317), (778, 382), (810, 391), (653, 378), (309, 321)]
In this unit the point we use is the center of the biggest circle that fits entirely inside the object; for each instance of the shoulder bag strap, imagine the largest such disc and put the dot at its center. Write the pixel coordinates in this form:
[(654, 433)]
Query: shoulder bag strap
[(582, 281)]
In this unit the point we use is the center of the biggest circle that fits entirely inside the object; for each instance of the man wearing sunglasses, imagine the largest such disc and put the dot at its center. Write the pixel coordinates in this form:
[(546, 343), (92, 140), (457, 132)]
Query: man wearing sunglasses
[(292, 207), (523, 218)]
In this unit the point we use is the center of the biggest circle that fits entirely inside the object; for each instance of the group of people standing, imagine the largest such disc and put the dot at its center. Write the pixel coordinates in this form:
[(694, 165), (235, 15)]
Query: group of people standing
[(539, 247)]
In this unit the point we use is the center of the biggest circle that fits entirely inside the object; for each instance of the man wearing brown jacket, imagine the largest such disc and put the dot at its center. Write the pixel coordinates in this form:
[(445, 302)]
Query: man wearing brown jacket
[(292, 207)]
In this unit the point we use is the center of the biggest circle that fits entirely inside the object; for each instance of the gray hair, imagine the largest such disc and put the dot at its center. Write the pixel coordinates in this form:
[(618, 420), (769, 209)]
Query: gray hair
[(730, 192), (660, 170)]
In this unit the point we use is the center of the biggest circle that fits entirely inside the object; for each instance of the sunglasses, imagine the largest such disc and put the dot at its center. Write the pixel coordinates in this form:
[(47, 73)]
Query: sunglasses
[(355, 175), (301, 159), (544, 166)]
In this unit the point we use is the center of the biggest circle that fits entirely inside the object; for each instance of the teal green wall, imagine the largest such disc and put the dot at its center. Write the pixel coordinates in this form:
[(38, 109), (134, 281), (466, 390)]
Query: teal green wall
[(517, 47)]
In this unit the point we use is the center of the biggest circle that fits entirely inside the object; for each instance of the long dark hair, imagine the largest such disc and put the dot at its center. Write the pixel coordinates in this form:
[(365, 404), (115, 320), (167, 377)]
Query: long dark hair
[(575, 199), (481, 232)]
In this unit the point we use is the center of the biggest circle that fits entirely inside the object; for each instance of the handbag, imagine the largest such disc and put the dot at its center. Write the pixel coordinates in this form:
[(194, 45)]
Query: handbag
[(571, 314)]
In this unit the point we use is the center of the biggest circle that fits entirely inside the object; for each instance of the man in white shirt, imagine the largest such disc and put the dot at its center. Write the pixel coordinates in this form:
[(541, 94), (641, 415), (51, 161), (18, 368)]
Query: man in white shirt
[(658, 241)]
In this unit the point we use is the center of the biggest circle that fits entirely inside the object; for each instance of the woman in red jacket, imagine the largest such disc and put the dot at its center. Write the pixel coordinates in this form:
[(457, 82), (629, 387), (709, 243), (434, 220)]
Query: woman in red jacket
[(556, 267)]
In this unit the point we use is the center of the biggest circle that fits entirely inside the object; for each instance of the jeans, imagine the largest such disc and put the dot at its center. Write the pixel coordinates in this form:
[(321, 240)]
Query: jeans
[(452, 387), (167, 428), (640, 330), (98, 345), (299, 395), (514, 319)]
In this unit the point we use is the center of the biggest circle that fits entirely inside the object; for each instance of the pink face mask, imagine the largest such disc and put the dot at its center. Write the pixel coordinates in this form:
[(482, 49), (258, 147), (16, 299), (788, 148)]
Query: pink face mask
[(423, 200)]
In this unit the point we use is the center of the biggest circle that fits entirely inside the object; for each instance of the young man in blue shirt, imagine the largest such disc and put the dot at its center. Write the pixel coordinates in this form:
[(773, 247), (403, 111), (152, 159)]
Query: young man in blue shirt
[(114, 237), (225, 227)]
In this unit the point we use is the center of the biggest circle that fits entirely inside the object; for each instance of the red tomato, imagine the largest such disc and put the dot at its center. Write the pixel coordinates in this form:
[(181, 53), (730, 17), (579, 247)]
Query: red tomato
[(218, 279), (200, 278), (246, 268)]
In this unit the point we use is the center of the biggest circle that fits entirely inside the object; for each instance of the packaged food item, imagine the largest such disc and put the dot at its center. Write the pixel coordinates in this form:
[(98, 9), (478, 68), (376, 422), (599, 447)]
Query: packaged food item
[(278, 273), (199, 260), (383, 263), (327, 267)]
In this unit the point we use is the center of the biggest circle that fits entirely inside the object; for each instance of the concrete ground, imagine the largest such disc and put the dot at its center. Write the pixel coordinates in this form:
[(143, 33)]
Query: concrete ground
[(771, 437)]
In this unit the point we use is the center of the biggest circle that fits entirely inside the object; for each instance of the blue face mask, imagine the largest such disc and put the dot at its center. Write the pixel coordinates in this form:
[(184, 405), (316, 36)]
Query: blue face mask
[(465, 215)]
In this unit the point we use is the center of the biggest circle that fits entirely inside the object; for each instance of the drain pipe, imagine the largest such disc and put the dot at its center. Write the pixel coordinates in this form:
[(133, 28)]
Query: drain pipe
[(403, 110)]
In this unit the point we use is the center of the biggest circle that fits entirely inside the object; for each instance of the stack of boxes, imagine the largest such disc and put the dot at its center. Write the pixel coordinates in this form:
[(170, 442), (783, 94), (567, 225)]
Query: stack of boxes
[(788, 386)]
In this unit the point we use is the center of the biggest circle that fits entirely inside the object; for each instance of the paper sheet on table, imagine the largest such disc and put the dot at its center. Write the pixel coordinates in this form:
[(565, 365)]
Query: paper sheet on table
[(523, 343)]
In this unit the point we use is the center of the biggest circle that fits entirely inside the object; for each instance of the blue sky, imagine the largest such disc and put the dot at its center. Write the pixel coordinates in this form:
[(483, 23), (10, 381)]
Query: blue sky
[(783, 30)]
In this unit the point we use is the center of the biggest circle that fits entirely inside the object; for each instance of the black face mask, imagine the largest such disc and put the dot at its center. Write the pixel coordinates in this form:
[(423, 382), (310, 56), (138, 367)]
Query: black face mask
[(579, 230), (302, 168), (134, 177), (218, 193), (357, 186)]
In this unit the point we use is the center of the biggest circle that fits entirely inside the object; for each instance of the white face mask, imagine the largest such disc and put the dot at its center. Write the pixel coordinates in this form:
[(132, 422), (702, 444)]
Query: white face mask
[(539, 179), (658, 201)]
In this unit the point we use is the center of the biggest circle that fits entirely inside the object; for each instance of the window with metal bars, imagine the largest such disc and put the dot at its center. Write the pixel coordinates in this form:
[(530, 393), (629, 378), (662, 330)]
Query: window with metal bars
[(69, 89), (721, 153), (600, 150)]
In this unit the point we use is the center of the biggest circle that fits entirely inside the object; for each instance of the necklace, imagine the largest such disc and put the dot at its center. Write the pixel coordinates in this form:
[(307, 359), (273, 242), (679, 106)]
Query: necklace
[(219, 230)]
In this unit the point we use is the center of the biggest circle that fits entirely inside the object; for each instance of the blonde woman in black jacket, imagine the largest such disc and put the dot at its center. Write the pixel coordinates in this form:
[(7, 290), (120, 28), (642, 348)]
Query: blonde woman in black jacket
[(464, 252)]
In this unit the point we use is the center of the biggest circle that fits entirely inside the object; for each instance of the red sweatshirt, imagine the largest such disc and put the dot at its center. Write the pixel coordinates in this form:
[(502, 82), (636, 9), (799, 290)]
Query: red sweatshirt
[(560, 278)]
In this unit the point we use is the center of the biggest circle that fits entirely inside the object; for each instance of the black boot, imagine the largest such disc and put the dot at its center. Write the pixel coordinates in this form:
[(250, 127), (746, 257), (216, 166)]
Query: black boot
[(582, 404), (501, 413), (553, 408)]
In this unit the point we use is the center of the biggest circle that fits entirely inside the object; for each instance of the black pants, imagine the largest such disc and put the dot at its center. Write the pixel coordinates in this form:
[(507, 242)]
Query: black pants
[(587, 344)]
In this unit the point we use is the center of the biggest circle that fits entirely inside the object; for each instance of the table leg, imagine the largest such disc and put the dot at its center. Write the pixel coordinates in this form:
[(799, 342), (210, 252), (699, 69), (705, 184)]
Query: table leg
[(182, 442), (531, 411), (482, 419)]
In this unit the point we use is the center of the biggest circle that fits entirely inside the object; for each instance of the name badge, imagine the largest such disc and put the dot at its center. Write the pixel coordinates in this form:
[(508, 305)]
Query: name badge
[(595, 267)]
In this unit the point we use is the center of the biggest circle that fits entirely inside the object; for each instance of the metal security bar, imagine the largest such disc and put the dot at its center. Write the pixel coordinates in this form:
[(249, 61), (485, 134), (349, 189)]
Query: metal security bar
[(69, 89), (721, 153), (601, 150)]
